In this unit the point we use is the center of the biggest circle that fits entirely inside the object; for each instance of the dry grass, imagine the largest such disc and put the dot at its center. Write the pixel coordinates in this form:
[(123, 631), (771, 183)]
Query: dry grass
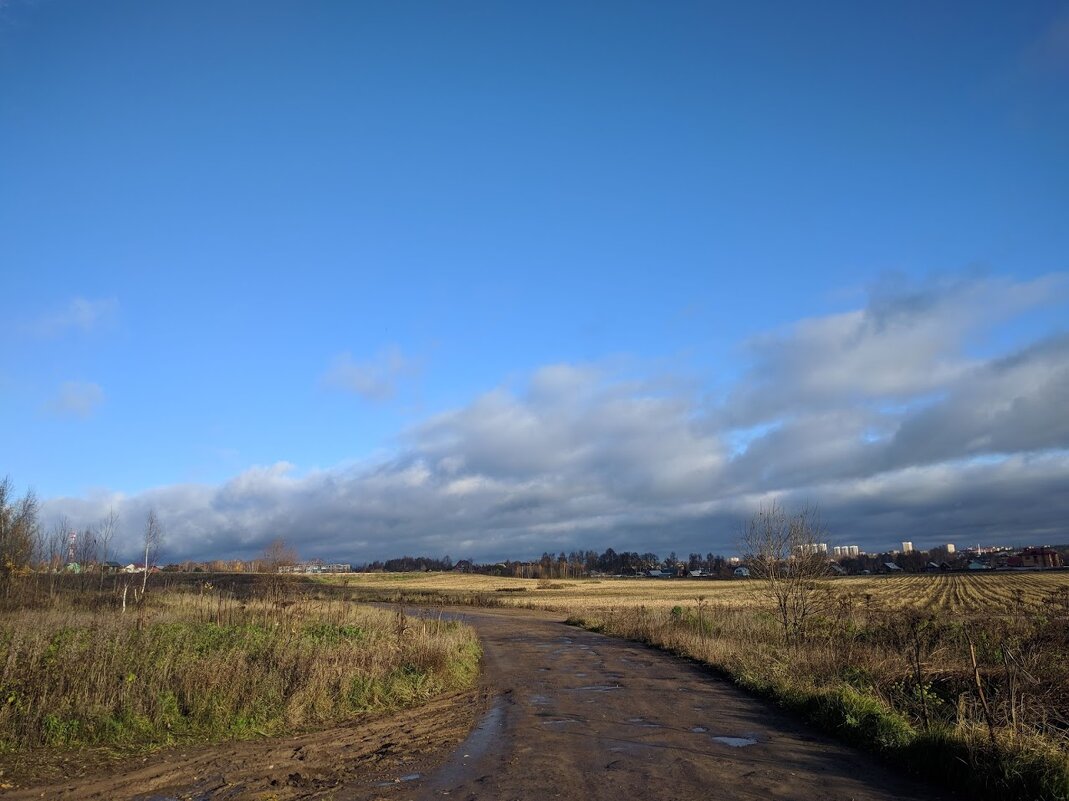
[(207, 665)]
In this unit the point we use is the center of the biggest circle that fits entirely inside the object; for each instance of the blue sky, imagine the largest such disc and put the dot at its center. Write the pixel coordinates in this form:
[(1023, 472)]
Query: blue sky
[(272, 248)]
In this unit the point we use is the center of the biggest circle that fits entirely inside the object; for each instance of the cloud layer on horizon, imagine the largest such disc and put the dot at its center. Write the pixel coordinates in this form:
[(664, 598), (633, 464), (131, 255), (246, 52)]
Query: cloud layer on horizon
[(885, 417)]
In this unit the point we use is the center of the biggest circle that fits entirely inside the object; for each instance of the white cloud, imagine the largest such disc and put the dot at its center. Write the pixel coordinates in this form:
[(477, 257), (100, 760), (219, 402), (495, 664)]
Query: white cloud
[(76, 400), (907, 342), (375, 379), (80, 315)]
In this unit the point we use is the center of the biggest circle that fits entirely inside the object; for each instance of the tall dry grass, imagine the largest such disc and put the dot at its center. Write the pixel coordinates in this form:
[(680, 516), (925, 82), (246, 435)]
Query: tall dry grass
[(204, 664)]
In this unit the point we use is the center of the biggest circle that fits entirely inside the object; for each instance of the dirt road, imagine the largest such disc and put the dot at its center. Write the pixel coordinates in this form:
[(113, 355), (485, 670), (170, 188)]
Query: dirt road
[(584, 716), (565, 714)]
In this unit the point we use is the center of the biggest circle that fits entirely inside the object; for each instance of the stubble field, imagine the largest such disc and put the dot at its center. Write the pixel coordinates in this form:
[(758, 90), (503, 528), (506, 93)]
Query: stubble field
[(996, 593)]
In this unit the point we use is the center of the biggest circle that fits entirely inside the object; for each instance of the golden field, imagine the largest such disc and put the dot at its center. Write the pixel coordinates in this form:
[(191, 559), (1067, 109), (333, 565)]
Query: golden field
[(996, 593)]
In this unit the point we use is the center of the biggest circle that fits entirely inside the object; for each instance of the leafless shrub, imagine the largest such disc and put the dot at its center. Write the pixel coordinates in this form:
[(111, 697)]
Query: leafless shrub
[(783, 552)]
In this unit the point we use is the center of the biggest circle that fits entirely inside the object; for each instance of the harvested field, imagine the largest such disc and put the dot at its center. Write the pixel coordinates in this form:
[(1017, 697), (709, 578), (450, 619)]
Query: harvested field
[(973, 593)]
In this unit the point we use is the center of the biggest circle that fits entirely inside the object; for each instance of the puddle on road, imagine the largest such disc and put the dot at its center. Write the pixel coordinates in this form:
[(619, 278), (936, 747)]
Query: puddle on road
[(644, 724), (409, 777), (632, 748), (482, 735), (736, 742), (475, 746), (540, 700), (559, 722), (597, 688), (699, 729)]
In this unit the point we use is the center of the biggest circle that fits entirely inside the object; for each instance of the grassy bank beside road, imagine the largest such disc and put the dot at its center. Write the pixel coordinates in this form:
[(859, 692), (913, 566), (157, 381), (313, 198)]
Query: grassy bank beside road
[(199, 664)]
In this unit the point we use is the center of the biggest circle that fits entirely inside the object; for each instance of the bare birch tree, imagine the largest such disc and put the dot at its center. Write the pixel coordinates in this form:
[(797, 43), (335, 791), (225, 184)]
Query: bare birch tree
[(152, 541)]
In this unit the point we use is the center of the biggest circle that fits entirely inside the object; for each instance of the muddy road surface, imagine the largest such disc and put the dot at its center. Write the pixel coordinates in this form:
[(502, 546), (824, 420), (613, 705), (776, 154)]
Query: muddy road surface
[(562, 714), (579, 715)]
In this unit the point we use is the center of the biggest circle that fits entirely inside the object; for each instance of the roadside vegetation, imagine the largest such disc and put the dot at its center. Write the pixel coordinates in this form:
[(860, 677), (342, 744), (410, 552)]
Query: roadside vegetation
[(201, 664)]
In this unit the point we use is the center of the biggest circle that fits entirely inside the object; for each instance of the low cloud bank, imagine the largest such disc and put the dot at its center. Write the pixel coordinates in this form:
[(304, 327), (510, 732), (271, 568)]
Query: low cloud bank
[(885, 417)]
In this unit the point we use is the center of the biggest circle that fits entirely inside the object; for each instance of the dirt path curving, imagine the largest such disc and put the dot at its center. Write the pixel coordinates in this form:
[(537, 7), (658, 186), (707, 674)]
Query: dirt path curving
[(586, 716), (563, 714)]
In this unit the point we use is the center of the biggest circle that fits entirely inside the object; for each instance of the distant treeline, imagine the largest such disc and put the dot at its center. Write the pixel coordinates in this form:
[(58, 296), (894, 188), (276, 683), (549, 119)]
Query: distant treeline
[(565, 565), (577, 564)]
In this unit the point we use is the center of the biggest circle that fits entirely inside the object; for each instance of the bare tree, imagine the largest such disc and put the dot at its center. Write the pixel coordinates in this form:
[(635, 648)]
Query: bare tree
[(785, 553), (153, 539), (86, 556), (278, 554), (105, 533), (51, 549)]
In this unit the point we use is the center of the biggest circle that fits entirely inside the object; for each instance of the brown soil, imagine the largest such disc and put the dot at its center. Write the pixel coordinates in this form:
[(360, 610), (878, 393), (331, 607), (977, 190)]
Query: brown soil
[(563, 713), (363, 752)]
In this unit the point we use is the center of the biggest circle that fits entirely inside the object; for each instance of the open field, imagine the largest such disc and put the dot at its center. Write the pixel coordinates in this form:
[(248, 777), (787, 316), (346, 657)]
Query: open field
[(1006, 593)]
